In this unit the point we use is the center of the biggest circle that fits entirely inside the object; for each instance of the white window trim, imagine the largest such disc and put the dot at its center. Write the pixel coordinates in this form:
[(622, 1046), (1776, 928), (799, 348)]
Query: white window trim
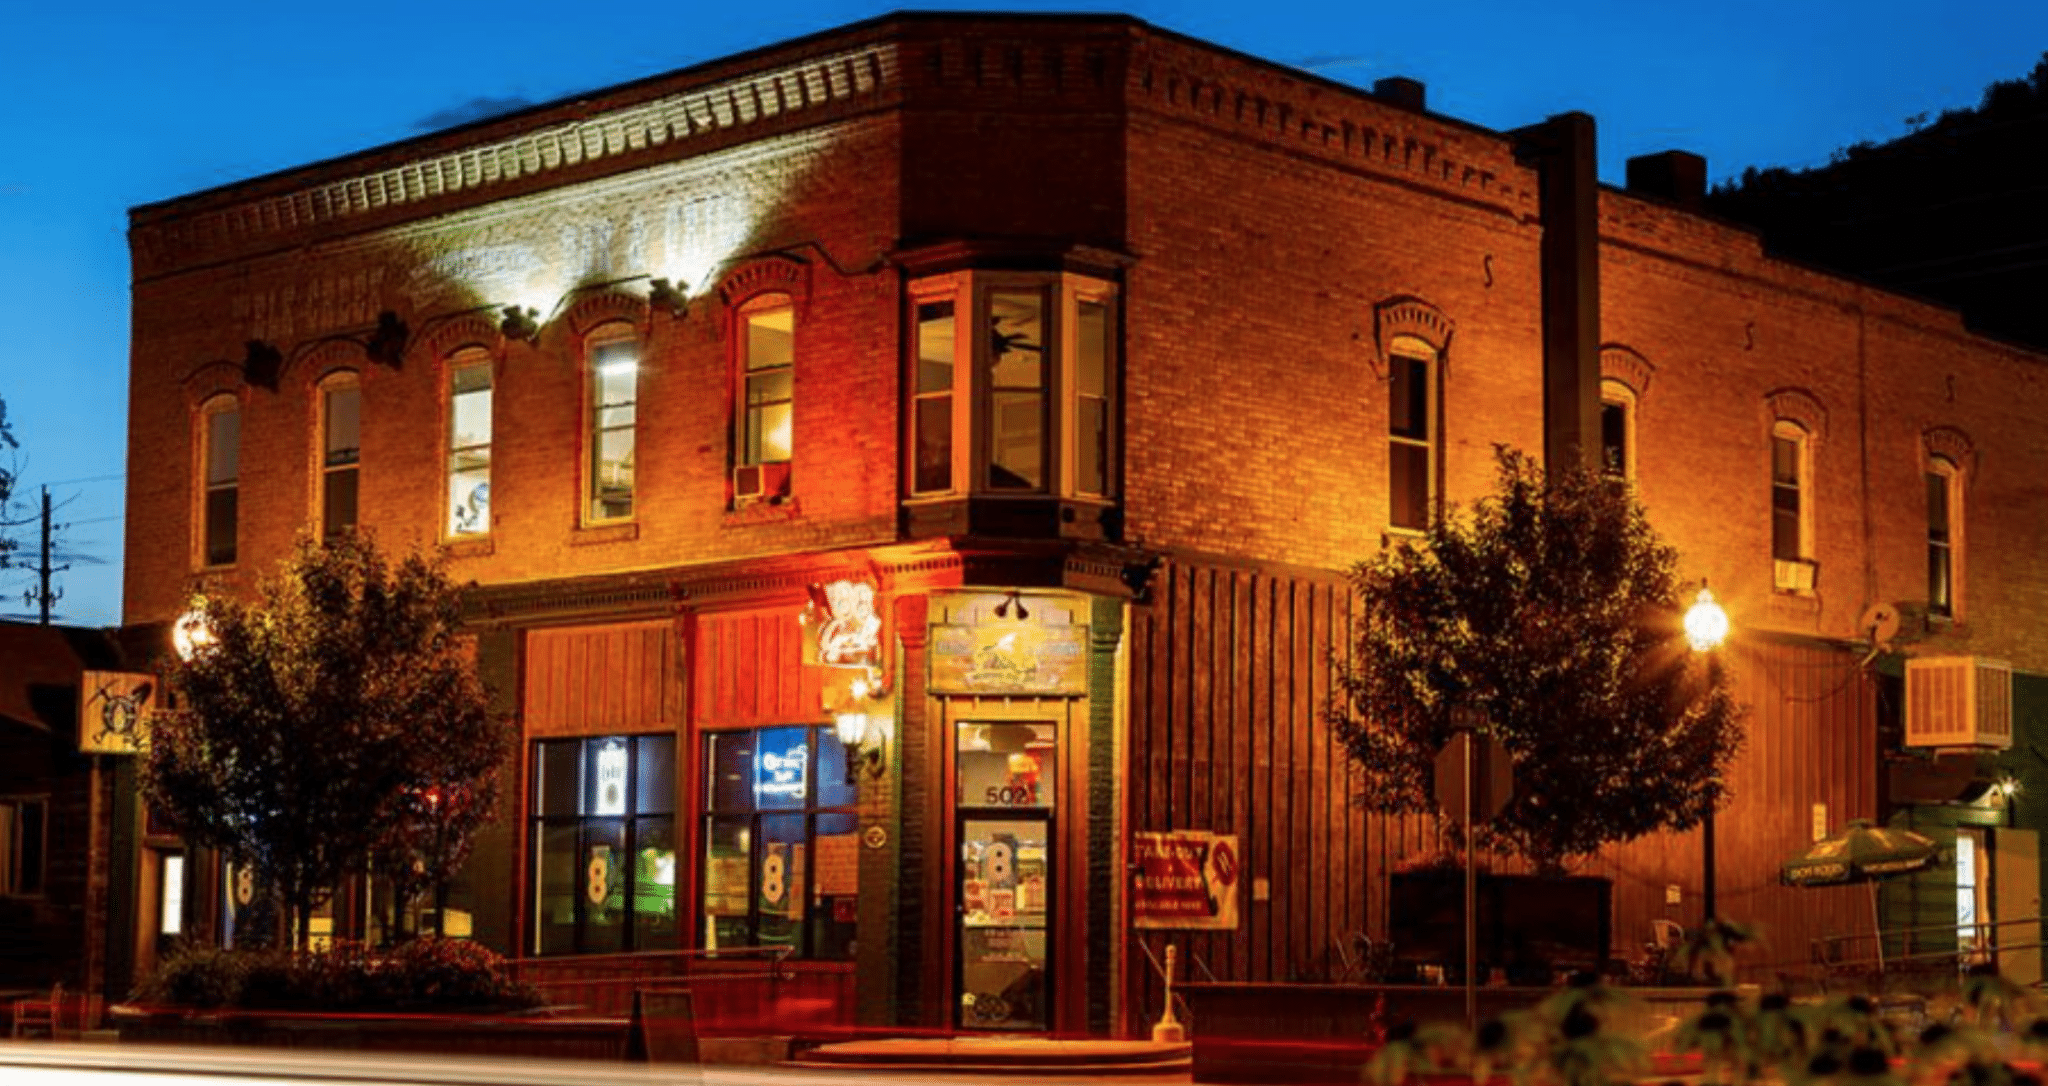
[(331, 383), (1952, 476), (221, 404), (1408, 346), (605, 335), (465, 359)]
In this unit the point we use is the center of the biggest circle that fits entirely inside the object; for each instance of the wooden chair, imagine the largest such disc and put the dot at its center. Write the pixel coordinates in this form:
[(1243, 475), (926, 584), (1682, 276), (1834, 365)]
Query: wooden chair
[(39, 1015)]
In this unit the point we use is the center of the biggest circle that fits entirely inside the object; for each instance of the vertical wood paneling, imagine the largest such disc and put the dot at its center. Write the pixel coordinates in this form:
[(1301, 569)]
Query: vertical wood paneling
[(750, 670), (587, 679)]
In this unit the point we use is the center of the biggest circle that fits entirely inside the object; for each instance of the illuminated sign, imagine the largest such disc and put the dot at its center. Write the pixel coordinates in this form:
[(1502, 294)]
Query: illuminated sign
[(611, 779), (782, 774), (113, 712), (850, 633), (1007, 658)]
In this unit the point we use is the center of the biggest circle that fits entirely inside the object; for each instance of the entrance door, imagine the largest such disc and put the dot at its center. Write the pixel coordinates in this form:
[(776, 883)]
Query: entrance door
[(1005, 821)]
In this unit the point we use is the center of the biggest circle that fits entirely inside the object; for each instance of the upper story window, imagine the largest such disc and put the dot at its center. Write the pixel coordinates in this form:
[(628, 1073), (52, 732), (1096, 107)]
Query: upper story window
[(1944, 534), (1026, 406), (1791, 505), (22, 845), (220, 454), (614, 364), (763, 443), (341, 443), (1617, 431), (1414, 443), (469, 443)]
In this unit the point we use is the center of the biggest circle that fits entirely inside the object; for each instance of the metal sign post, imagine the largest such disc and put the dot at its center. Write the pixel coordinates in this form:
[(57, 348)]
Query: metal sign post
[(1474, 780)]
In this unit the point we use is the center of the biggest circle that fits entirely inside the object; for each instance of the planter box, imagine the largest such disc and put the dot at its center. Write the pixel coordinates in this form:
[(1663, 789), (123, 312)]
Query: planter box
[(1530, 926), (447, 1034)]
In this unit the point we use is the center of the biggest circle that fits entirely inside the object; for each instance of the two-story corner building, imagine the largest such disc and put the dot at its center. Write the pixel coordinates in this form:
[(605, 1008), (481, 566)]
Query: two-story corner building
[(1013, 393)]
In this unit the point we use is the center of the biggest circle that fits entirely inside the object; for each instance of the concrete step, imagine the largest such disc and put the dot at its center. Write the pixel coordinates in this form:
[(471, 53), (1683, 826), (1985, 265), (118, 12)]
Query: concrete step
[(1004, 1055)]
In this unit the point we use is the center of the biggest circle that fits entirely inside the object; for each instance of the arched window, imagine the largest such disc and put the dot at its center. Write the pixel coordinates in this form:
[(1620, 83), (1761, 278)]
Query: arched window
[(1944, 536), (612, 355), (764, 417), (1791, 497), (1617, 431), (220, 459), (469, 443), (1414, 443), (341, 444)]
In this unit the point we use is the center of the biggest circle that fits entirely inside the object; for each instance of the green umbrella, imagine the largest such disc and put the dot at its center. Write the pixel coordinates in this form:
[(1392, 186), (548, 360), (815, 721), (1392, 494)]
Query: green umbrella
[(1864, 853)]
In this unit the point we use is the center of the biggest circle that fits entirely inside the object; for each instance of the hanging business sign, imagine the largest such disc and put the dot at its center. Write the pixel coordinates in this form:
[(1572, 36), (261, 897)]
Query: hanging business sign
[(1185, 879), (1009, 658), (113, 712), (841, 626)]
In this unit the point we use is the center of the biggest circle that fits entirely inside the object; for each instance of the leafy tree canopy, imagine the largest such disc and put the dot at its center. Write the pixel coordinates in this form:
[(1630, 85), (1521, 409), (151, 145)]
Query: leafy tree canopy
[(1552, 608), (326, 721)]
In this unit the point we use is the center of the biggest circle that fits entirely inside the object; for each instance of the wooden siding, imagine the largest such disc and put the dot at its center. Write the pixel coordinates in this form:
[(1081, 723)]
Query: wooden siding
[(588, 680), (1229, 676), (750, 671)]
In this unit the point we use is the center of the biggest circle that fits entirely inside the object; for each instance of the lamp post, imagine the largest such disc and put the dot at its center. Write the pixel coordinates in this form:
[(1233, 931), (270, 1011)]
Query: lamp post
[(1706, 627)]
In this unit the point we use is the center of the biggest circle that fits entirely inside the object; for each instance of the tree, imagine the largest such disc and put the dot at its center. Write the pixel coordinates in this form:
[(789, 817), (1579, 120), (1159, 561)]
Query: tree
[(1552, 609), (310, 728), (10, 471)]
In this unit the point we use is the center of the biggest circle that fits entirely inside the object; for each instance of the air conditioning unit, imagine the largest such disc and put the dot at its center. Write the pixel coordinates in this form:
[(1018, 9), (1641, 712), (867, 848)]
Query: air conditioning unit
[(1795, 574), (1958, 701), (760, 482)]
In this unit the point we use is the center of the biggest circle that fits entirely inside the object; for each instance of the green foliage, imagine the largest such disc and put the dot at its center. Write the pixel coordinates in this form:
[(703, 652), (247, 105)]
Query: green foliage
[(423, 974), (1553, 608), (307, 737), (1709, 950)]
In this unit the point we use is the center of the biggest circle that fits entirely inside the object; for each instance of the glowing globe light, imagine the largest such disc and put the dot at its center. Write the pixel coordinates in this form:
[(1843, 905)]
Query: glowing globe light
[(1706, 624), (190, 634)]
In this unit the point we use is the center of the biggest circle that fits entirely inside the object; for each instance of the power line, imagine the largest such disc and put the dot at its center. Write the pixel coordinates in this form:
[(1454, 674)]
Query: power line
[(92, 479)]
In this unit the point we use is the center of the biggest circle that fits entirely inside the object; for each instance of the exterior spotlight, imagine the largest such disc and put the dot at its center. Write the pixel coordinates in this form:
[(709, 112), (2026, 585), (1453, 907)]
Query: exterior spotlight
[(1706, 624), (521, 323), (387, 343), (191, 635), (668, 296)]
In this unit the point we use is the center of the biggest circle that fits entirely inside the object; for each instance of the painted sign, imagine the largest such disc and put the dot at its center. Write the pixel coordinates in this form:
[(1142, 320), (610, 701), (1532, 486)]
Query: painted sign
[(1185, 879), (113, 712), (1009, 658)]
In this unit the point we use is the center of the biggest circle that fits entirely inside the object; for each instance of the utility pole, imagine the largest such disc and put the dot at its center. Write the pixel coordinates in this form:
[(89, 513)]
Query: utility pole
[(44, 596)]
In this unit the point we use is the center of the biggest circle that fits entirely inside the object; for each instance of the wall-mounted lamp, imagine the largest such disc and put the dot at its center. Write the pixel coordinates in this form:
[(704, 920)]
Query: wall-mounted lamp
[(669, 296), (1014, 599), (856, 732), (521, 323), (261, 364), (191, 634), (1706, 624)]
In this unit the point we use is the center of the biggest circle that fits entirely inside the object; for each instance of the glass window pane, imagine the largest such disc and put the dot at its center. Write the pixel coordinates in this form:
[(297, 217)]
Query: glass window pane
[(1091, 438), (338, 500), (1005, 764), (768, 434), (469, 493), (344, 424), (1785, 534), (1091, 369), (605, 874), (782, 769), (223, 445), (558, 777), (654, 884), (1938, 587), (1017, 441), (781, 890), (767, 388), (615, 372), (469, 414), (1937, 505), (728, 882), (833, 789), (555, 891), (1614, 438), (1785, 461), (935, 443), (935, 347), (1016, 353), (835, 886), (1408, 398), (220, 526), (770, 338), (1409, 486), (654, 774), (729, 759)]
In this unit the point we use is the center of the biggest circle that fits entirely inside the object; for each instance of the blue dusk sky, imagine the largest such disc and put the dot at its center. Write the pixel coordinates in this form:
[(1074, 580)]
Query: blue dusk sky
[(110, 105)]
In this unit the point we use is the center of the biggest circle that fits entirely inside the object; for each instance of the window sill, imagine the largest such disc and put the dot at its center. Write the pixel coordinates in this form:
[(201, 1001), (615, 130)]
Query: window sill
[(469, 547), (763, 511), (591, 535)]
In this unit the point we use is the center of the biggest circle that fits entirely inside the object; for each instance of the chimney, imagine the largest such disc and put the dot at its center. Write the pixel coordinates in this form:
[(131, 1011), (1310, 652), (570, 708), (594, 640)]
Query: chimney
[(1679, 177), (1568, 200), (1399, 90)]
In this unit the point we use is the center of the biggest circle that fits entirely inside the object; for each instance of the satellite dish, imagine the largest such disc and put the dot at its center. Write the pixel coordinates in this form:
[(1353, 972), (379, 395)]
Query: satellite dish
[(1879, 624)]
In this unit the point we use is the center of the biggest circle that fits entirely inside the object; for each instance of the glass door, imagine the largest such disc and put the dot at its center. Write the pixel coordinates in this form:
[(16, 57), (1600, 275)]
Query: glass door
[(1005, 809)]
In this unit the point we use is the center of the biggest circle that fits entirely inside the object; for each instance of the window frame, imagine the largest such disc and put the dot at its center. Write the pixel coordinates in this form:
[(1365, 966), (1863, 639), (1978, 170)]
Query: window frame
[(823, 747), (630, 823), (1948, 548), (326, 471), (1619, 395), (465, 360), (608, 334), (226, 403), (13, 857), (971, 456), (1801, 488), (1405, 348), (745, 451)]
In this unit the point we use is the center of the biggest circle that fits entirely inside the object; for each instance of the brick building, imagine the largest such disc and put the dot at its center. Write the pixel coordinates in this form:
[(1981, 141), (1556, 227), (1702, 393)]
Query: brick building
[(669, 367)]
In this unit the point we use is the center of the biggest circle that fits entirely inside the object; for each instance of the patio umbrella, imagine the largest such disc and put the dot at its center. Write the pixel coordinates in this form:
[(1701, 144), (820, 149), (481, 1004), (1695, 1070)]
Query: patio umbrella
[(1866, 853)]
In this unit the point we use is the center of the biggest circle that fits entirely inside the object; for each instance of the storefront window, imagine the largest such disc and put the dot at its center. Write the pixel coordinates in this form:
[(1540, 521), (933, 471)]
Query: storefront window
[(604, 857), (781, 847)]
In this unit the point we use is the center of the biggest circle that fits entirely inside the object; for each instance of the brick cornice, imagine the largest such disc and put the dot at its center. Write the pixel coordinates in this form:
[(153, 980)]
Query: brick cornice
[(217, 225)]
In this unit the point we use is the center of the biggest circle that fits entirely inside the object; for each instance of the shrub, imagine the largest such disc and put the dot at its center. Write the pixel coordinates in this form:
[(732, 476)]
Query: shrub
[(424, 974), (195, 976)]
